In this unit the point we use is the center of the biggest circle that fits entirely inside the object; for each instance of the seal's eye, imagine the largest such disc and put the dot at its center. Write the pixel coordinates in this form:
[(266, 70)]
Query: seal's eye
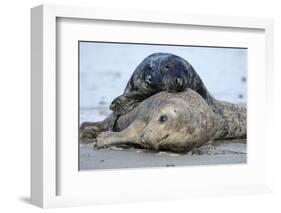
[(163, 118), (166, 67)]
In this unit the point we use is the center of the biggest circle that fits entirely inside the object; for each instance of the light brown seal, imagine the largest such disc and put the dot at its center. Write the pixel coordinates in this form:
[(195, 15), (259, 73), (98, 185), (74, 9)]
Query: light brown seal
[(175, 122)]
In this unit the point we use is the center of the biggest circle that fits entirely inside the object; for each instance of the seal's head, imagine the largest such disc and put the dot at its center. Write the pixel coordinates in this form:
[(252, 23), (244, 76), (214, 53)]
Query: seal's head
[(179, 126), (166, 71), (175, 73)]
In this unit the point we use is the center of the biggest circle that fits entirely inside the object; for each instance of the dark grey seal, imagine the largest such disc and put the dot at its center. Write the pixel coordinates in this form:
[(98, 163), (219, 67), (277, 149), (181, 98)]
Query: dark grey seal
[(157, 72)]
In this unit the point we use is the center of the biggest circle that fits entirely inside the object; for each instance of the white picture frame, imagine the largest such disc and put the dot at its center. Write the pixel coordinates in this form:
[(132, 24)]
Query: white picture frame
[(45, 169)]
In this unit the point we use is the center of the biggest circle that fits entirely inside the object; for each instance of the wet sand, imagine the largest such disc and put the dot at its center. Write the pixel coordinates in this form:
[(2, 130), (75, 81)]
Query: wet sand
[(223, 152)]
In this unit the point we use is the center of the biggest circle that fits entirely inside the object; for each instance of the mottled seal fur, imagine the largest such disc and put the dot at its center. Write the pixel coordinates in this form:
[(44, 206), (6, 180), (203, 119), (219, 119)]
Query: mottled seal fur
[(157, 72), (175, 122)]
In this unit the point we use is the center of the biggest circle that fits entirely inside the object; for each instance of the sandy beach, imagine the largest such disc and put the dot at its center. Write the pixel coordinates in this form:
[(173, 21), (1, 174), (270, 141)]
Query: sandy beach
[(224, 152)]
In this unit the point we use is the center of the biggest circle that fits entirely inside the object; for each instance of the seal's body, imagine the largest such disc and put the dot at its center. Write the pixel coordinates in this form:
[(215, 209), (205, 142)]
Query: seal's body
[(157, 72), (175, 122)]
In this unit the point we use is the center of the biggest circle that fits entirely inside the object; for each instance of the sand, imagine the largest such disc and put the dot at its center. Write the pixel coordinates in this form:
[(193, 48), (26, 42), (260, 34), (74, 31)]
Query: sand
[(223, 152)]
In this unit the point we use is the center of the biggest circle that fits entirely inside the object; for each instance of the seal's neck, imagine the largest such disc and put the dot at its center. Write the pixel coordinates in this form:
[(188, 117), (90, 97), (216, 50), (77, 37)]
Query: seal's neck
[(195, 83)]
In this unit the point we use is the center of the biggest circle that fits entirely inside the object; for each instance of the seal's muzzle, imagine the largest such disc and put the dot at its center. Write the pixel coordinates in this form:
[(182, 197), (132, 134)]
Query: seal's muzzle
[(176, 85)]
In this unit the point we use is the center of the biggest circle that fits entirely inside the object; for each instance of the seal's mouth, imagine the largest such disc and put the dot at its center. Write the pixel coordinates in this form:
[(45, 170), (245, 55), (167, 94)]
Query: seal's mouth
[(159, 142), (162, 139), (174, 89), (154, 145)]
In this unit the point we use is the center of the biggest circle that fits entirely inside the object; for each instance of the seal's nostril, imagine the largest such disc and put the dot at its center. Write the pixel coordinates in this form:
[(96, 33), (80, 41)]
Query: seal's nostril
[(178, 82), (142, 138)]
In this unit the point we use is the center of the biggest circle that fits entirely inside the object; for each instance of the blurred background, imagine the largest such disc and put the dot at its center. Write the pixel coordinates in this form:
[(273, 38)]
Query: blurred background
[(105, 69)]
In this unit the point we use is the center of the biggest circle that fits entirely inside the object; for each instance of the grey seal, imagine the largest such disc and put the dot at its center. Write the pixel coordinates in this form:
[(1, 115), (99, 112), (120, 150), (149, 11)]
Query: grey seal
[(157, 72), (175, 122)]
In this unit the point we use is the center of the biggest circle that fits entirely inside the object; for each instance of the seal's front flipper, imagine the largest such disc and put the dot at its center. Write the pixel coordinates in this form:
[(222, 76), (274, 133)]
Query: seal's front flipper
[(108, 138), (118, 102), (127, 107), (122, 110), (129, 136), (122, 105), (125, 99), (113, 121)]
